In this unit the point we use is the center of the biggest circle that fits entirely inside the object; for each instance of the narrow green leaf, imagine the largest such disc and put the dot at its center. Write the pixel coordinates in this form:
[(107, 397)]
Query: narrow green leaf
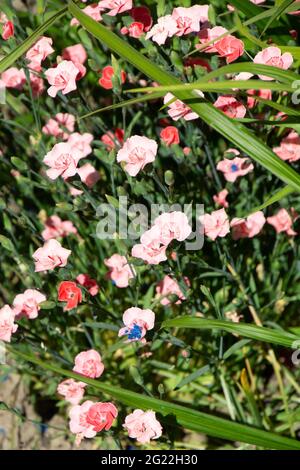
[(279, 10)]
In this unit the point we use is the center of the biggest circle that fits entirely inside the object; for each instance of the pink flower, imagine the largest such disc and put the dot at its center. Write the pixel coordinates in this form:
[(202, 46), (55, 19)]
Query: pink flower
[(165, 28), (14, 78), (282, 222), (289, 148), (119, 270), (37, 84), (115, 6), (188, 19), (62, 78), (62, 160), (137, 322), (235, 167), (81, 143), (211, 34), (111, 139), (88, 283), (272, 56), (142, 15), (88, 174), (7, 325), (230, 106), (72, 390), (134, 30), (28, 303), (50, 256), (58, 125), (106, 79), (230, 47), (247, 228), (170, 135), (75, 53), (150, 249), (7, 30), (137, 152), (69, 292), (101, 416), (220, 198), (215, 224), (168, 286), (173, 226), (56, 228), (264, 94), (39, 52), (143, 426), (178, 109), (89, 364), (93, 11)]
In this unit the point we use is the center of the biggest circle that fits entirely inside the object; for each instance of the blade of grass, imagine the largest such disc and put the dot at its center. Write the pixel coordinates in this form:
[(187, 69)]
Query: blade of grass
[(279, 10)]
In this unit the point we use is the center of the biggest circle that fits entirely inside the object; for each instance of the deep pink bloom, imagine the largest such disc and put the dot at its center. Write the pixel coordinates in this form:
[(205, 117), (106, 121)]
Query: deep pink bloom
[(264, 94), (230, 106), (234, 168), (115, 6), (134, 30), (150, 249), (28, 303), (120, 272), (168, 286), (215, 224), (137, 322), (282, 222), (106, 79), (50, 256), (230, 47), (220, 198), (170, 135), (247, 228), (88, 174), (137, 152), (7, 325), (89, 364), (88, 283), (8, 30), (72, 390), (211, 34), (142, 15), (62, 78), (69, 292), (14, 78), (101, 416), (56, 228), (110, 139), (62, 160), (143, 426), (272, 56), (37, 84), (178, 109), (289, 148)]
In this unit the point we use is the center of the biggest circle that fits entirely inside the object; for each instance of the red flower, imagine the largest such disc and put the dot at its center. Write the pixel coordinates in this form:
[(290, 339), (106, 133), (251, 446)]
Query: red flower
[(170, 135), (70, 293), (106, 79), (90, 284), (8, 30), (142, 15)]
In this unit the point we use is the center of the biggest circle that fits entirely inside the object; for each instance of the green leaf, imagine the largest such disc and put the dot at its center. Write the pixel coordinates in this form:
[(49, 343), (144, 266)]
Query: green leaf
[(246, 330), (234, 132), (6, 243), (281, 194), (279, 10), (18, 163), (30, 40), (186, 417)]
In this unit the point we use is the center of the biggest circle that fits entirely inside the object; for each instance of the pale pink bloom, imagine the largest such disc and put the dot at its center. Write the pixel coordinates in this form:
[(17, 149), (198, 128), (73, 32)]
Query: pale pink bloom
[(230, 106), (230, 47), (173, 226), (150, 249), (137, 322), (62, 160), (14, 78), (186, 151), (272, 56), (289, 148), (264, 94), (60, 126), (39, 52), (55, 228), (115, 6), (75, 192), (75, 53), (282, 222), (89, 284), (28, 303), (91, 10), (235, 167), (220, 198), (243, 76), (66, 121), (72, 390), (178, 109), (165, 27), (37, 84), (120, 272), (233, 316), (89, 364), (215, 224), (52, 128), (50, 256), (143, 426), (247, 228), (78, 422), (62, 78), (188, 19), (211, 34), (168, 286), (81, 143), (137, 152), (7, 325), (88, 174)]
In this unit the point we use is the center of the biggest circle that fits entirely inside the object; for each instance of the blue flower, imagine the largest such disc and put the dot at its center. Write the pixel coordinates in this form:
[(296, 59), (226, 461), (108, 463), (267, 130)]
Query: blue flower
[(135, 332)]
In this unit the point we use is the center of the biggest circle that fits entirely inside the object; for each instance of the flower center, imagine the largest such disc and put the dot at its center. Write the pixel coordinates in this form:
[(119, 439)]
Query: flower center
[(135, 332), (234, 167)]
